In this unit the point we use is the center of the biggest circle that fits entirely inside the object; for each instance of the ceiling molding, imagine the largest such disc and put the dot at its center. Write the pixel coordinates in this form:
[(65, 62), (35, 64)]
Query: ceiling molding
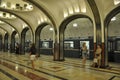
[(3, 29), (46, 13), (110, 15), (6, 22), (13, 13)]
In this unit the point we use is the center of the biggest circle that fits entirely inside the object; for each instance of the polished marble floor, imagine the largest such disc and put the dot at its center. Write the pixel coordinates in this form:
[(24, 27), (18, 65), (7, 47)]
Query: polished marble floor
[(18, 67)]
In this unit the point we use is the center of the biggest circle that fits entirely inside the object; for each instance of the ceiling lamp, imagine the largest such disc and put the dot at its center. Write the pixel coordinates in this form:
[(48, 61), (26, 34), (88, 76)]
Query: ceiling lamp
[(116, 2), (75, 25), (51, 29), (13, 6), (29, 7), (1, 22), (65, 13), (13, 29), (4, 5), (83, 6), (70, 9), (113, 19), (77, 9), (24, 25), (39, 21)]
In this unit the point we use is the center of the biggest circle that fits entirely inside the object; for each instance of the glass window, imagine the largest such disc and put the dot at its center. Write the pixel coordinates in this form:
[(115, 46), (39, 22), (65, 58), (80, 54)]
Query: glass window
[(68, 44), (118, 45), (45, 45)]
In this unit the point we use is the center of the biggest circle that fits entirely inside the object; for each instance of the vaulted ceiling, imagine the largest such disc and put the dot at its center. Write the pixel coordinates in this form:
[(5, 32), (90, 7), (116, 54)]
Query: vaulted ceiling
[(18, 14)]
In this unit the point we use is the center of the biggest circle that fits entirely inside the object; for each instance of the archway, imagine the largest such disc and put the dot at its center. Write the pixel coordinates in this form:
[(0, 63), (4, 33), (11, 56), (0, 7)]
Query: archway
[(6, 42), (114, 39), (112, 36), (25, 40), (44, 39), (76, 40), (1, 44), (12, 44)]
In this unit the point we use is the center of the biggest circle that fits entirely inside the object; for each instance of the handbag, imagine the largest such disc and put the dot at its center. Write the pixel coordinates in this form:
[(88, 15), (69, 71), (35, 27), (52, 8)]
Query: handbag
[(95, 60)]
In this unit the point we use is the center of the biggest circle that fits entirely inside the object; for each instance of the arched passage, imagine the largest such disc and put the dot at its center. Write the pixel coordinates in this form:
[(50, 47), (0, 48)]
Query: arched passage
[(39, 43), (6, 42), (62, 29), (23, 34), (10, 25), (12, 44), (11, 12), (107, 21), (5, 39), (1, 44)]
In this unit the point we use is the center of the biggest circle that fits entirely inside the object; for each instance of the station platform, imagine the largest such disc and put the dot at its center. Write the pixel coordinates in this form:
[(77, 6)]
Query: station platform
[(18, 67)]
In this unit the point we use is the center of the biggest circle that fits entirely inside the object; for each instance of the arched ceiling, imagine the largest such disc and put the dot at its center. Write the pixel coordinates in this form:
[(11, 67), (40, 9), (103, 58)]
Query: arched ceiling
[(31, 13)]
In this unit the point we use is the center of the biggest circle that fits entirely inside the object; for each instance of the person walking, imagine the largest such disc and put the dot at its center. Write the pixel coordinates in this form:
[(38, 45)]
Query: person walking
[(84, 53)]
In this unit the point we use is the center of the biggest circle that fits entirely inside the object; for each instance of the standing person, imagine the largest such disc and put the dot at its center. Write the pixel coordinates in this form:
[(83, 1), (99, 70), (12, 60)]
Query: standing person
[(17, 48), (32, 54), (98, 55), (84, 53)]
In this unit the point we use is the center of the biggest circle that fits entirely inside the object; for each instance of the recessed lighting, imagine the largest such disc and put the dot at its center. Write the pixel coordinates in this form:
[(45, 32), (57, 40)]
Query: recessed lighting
[(51, 29), (116, 2), (113, 19), (75, 25)]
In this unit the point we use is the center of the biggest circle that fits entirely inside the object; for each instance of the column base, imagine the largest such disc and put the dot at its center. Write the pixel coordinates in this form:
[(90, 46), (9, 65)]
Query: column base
[(58, 59)]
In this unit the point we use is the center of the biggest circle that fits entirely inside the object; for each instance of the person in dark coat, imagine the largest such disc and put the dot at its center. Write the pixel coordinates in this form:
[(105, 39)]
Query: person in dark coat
[(17, 49)]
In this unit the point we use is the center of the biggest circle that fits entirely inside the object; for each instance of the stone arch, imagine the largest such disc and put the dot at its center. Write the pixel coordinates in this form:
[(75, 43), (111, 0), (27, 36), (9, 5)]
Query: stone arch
[(6, 42), (62, 29), (106, 23), (9, 11), (37, 35), (1, 43), (23, 34), (12, 44), (10, 25)]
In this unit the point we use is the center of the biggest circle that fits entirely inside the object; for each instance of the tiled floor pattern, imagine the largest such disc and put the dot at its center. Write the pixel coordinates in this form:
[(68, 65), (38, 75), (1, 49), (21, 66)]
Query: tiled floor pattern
[(16, 67), (114, 67), (21, 71)]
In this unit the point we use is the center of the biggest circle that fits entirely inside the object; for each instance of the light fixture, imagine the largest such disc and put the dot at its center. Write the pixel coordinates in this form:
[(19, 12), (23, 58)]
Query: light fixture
[(4, 5), (76, 8), (7, 15), (39, 21), (116, 2), (75, 25), (51, 29), (83, 6), (113, 19), (29, 7), (13, 6), (0, 14), (65, 14), (13, 16), (42, 19), (1, 22), (13, 29), (70, 9), (24, 25), (45, 19), (83, 10)]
